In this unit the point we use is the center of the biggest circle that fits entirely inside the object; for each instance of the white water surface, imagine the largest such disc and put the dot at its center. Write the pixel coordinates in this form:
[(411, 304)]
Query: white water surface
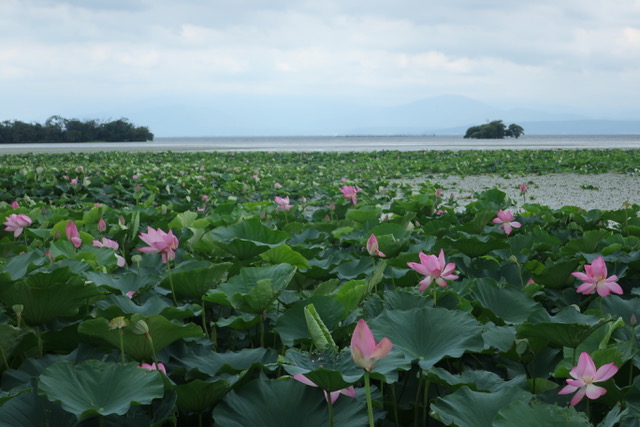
[(335, 144)]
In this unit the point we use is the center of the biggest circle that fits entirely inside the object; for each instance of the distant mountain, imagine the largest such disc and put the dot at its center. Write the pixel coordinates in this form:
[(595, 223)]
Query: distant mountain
[(442, 115)]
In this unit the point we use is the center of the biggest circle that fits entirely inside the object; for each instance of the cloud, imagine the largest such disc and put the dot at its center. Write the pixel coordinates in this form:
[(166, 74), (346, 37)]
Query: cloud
[(576, 52)]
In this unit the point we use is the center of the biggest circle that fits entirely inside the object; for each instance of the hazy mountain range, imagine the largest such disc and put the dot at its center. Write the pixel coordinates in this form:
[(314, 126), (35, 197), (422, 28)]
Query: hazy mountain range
[(442, 115)]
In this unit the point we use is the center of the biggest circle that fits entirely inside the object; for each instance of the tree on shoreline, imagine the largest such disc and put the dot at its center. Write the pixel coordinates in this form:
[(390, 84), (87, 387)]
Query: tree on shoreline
[(494, 130), (59, 129)]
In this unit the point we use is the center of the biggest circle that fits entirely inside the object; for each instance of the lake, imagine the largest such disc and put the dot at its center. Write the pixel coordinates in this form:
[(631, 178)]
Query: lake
[(337, 143)]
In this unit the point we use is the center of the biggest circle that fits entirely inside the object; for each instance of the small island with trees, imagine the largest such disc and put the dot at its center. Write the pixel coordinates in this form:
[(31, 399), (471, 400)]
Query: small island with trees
[(495, 130), (59, 129)]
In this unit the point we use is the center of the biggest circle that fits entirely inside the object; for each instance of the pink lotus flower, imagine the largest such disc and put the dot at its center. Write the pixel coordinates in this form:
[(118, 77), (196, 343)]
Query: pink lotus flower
[(596, 279), (160, 242), (523, 188), (433, 268), (283, 203), (102, 225), (364, 349), (349, 192), (505, 219), (154, 367), (348, 391), (73, 235), (372, 247), (74, 181), (584, 375), (106, 243), (277, 185), (17, 223), (15, 204)]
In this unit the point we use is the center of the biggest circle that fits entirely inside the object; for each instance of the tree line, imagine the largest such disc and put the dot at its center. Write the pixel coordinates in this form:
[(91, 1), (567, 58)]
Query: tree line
[(495, 130), (59, 129)]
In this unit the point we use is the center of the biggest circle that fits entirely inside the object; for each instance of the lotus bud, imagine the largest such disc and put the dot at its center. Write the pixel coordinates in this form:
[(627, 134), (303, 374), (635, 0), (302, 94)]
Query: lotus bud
[(119, 322), (140, 328)]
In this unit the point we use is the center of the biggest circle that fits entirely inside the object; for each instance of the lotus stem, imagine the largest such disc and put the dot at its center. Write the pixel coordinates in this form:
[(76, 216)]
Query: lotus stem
[(121, 333), (173, 292), (4, 359), (261, 329), (153, 350), (330, 407), (204, 318), (395, 404), (425, 402), (367, 390)]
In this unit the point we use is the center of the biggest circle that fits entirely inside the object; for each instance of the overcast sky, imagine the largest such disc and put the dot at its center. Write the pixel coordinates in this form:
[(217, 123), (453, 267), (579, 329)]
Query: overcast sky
[(83, 56)]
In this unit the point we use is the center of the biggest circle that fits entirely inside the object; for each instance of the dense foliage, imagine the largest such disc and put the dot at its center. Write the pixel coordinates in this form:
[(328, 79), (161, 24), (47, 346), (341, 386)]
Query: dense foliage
[(495, 130), (58, 129), (233, 292)]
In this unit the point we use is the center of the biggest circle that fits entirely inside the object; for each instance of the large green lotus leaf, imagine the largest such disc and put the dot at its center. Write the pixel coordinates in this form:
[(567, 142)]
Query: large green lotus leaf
[(18, 265), (292, 326), (498, 337), (474, 246), (429, 334), (47, 296), (354, 268), (200, 395), (568, 328), (162, 331), (284, 254), (350, 294), (329, 370), (364, 214), (469, 408), (193, 283), (539, 414), (403, 300), (30, 409), (212, 363), (273, 403), (558, 275), (619, 307), (129, 281), (247, 238), (96, 388), (238, 289), (474, 379), (120, 305), (588, 243), (10, 338), (508, 303)]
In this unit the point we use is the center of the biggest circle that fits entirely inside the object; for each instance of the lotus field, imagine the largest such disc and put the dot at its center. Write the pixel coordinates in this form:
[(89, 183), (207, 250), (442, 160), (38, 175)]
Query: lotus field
[(313, 289)]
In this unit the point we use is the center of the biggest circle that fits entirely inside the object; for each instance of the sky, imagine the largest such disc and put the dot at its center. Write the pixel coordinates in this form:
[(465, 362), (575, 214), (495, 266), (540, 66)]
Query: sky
[(81, 58)]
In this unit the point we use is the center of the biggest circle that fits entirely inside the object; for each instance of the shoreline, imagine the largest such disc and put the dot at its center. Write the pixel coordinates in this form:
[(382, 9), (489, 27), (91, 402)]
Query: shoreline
[(608, 191)]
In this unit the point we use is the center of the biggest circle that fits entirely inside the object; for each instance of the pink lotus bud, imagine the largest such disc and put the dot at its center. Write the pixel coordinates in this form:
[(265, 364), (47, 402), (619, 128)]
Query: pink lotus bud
[(73, 235), (15, 205), (102, 225)]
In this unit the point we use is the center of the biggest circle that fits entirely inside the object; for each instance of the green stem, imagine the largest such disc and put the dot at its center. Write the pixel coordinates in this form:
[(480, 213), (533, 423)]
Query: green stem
[(121, 333), (4, 359), (330, 407), (367, 389), (261, 326), (204, 318), (153, 350), (395, 404), (416, 404), (425, 403), (173, 292)]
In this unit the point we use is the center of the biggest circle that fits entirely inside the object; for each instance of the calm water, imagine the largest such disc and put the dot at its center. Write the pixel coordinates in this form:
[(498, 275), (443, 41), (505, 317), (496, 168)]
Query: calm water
[(356, 143)]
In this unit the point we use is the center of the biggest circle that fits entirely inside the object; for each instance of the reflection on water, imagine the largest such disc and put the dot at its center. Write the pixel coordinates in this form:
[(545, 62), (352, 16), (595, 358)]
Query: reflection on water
[(356, 143)]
